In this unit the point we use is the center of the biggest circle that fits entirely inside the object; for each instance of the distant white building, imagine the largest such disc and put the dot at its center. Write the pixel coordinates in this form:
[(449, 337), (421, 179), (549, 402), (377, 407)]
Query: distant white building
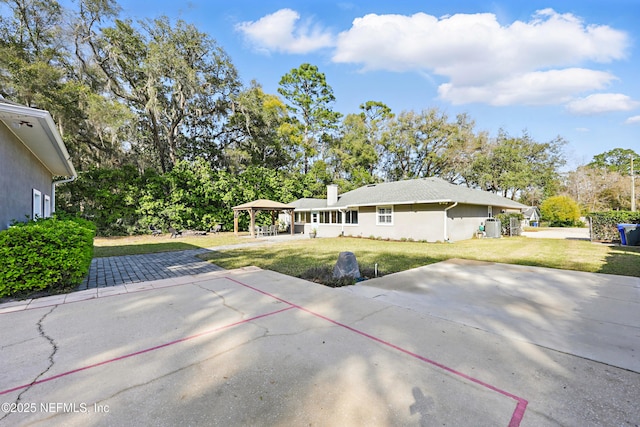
[(531, 216)]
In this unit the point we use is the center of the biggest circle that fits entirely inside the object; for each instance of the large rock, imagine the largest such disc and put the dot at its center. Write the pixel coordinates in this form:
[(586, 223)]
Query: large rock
[(347, 266)]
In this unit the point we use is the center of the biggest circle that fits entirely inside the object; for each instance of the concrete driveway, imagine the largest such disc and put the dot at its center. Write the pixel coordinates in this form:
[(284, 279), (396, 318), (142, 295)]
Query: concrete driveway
[(594, 316), (574, 233), (254, 347)]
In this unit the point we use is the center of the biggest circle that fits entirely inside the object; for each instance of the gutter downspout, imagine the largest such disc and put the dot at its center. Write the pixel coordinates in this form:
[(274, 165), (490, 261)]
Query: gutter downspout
[(446, 235), (53, 191)]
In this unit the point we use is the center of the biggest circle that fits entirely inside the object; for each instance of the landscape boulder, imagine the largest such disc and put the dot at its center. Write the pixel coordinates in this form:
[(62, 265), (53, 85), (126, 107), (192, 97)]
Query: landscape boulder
[(347, 266)]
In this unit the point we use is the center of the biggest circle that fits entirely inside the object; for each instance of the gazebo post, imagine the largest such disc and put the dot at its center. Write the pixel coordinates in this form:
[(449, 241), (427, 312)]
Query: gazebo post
[(293, 224), (252, 226), (236, 213)]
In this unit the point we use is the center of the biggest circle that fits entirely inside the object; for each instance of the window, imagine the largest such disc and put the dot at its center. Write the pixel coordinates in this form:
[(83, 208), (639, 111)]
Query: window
[(47, 206), (325, 217), (490, 212), (314, 217), (351, 217), (37, 204), (301, 217), (384, 215)]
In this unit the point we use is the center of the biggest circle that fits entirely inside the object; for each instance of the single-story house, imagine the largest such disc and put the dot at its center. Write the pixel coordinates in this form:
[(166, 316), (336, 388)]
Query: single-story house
[(428, 209), (531, 216), (32, 154)]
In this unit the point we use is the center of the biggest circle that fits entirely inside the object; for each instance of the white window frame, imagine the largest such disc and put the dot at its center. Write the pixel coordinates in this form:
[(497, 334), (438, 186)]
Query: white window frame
[(489, 211), (36, 210), (389, 214), (315, 218), (47, 206)]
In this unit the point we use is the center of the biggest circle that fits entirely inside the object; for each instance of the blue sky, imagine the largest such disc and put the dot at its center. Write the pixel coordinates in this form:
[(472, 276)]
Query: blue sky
[(553, 68)]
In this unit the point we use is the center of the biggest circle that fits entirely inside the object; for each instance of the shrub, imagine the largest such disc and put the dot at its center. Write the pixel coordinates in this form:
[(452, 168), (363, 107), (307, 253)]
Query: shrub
[(109, 197), (324, 276), (46, 255), (604, 225), (560, 211)]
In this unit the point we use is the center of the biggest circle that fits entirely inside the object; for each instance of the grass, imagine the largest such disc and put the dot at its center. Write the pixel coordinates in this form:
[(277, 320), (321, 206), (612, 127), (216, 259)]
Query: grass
[(147, 244), (295, 257)]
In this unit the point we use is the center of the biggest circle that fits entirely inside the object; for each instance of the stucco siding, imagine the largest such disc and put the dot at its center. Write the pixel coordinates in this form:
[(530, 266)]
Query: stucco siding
[(463, 221), (20, 173), (418, 222)]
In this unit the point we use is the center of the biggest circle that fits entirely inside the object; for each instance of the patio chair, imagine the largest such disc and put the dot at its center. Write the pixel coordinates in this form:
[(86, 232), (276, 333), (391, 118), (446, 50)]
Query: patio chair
[(273, 230), (174, 232), (217, 228), (155, 231)]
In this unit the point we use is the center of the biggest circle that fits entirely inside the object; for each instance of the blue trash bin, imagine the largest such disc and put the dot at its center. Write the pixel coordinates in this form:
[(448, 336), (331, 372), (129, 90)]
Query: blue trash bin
[(623, 237)]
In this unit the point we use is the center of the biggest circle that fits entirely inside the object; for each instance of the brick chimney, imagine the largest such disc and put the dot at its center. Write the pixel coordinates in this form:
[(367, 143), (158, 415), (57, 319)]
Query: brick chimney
[(332, 194)]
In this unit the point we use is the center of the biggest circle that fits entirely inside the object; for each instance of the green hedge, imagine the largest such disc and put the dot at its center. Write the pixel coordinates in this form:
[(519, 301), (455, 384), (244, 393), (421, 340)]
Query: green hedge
[(604, 225), (50, 254)]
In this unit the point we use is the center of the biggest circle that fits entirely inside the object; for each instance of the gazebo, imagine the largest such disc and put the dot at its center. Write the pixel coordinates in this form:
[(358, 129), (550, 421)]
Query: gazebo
[(260, 205)]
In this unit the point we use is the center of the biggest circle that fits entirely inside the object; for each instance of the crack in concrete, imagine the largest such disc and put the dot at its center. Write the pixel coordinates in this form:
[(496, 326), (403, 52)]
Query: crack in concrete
[(16, 343), (224, 301), (183, 368), (265, 334), (373, 313), (54, 350)]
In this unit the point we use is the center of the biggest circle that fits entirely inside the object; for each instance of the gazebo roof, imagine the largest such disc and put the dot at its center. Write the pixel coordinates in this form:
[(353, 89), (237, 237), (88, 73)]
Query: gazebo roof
[(263, 204)]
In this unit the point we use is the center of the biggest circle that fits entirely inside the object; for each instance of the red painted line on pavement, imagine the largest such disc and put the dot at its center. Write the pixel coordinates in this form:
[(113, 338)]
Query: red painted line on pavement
[(515, 421), (146, 350), (521, 404)]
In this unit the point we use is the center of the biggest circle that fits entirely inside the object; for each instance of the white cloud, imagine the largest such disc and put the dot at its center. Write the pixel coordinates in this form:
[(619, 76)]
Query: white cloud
[(524, 62), (282, 32), (602, 103), (534, 88), (545, 60), (633, 120)]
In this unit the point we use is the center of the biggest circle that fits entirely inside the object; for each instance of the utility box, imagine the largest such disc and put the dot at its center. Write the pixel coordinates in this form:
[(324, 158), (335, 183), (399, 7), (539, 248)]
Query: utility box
[(492, 228)]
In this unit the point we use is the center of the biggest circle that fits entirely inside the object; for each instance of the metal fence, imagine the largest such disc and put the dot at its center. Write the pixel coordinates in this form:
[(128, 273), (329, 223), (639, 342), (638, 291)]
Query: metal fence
[(515, 227)]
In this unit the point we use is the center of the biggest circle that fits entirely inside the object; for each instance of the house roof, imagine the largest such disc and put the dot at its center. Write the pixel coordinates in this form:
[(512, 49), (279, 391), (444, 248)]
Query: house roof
[(309, 204), (414, 191), (37, 131), (531, 211), (263, 204)]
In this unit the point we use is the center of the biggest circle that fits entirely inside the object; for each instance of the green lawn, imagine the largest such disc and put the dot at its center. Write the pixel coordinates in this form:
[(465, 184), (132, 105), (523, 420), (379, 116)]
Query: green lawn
[(295, 257), (146, 244)]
